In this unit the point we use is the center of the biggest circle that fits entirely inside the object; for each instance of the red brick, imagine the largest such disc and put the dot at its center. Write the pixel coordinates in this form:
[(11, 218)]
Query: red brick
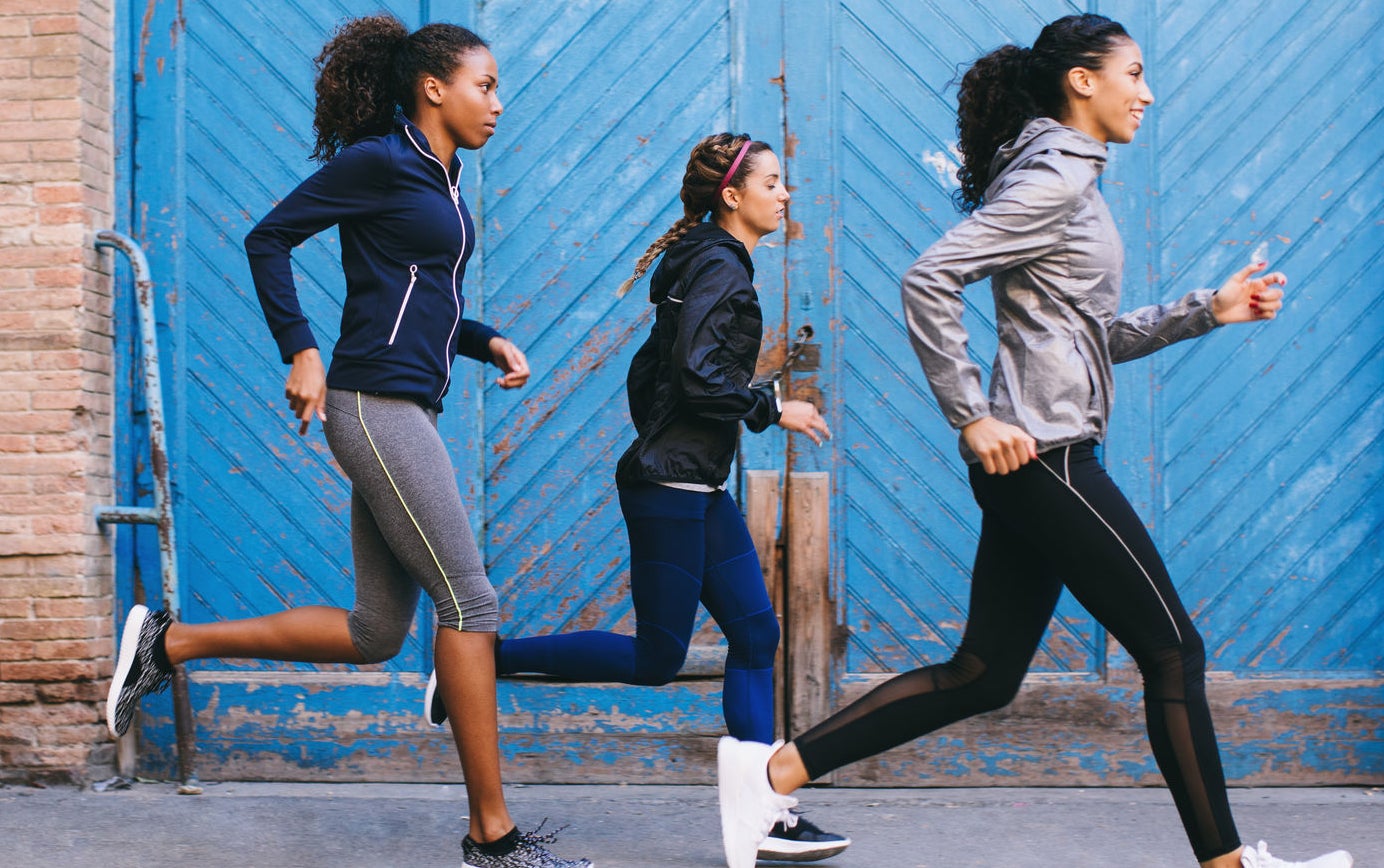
[(61, 524), (46, 422), (57, 443), (39, 629), (54, 715), (12, 693), (56, 215), (56, 24), (77, 691), (39, 131), (51, 545), (55, 400), (11, 651), (72, 607), (57, 194), (48, 671), (85, 735)]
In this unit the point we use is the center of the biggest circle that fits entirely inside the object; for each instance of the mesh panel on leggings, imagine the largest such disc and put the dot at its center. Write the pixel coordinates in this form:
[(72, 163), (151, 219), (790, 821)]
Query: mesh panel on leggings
[(899, 710)]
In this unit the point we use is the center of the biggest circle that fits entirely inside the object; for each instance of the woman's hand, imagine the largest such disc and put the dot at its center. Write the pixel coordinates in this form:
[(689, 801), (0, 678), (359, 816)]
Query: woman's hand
[(1001, 447), (802, 417), (1247, 299), (306, 388), (511, 360)]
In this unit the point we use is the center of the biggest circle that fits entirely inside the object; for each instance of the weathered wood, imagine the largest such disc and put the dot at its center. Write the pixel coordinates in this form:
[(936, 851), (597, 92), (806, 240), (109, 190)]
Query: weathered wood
[(808, 598), (365, 726), (763, 497)]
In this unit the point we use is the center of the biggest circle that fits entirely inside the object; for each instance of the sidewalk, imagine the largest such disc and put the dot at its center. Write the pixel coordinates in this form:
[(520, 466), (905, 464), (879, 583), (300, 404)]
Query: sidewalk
[(418, 825)]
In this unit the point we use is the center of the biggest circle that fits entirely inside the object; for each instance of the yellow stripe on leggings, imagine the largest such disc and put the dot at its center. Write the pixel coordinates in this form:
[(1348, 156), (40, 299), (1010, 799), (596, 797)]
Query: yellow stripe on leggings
[(360, 414)]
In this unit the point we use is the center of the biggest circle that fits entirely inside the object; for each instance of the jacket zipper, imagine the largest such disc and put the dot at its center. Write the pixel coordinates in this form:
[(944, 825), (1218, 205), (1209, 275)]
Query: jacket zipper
[(412, 279), (456, 204)]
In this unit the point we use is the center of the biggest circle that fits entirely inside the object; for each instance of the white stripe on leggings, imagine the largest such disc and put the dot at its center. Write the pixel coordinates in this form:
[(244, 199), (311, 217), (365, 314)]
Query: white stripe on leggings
[(1066, 458)]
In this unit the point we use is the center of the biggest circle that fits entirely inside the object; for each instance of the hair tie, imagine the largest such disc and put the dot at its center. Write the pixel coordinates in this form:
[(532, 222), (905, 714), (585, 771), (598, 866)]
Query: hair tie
[(735, 164)]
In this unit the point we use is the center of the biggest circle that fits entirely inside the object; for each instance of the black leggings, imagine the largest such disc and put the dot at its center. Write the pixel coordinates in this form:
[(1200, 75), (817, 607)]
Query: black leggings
[(1057, 521)]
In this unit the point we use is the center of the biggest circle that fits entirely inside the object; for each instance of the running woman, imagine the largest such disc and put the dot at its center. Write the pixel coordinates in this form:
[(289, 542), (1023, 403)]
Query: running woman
[(1034, 127), (689, 391), (393, 110)]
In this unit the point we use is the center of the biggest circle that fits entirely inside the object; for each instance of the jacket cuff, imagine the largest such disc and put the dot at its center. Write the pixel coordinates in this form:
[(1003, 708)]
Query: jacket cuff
[(294, 339), (473, 341)]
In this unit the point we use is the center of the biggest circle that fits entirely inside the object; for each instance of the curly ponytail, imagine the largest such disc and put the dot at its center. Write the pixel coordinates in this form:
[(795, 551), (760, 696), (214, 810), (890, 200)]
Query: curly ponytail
[(369, 67), (707, 165), (1005, 88)]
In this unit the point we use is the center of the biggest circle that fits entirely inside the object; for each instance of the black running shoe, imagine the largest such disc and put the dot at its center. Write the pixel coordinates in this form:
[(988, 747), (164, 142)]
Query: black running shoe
[(528, 852), (434, 712), (137, 672), (804, 842)]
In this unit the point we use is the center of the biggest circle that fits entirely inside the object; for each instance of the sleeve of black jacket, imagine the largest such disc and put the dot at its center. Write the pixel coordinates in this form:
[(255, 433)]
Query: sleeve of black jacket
[(704, 350)]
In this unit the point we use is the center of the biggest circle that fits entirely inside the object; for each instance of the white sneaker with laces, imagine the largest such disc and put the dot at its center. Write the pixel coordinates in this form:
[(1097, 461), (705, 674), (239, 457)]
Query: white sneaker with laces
[(749, 806), (1259, 857)]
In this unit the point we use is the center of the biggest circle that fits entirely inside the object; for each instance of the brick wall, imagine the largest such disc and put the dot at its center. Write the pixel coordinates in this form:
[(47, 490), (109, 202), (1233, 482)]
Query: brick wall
[(56, 182)]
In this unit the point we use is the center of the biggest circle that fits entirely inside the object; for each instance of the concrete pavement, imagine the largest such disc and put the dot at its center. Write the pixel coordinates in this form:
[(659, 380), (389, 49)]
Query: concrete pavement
[(420, 825)]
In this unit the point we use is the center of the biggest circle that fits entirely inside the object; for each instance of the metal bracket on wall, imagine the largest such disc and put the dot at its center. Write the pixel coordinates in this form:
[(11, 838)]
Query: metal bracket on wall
[(161, 513)]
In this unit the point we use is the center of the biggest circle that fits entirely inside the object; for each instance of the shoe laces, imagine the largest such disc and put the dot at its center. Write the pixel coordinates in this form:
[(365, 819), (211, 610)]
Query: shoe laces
[(803, 822)]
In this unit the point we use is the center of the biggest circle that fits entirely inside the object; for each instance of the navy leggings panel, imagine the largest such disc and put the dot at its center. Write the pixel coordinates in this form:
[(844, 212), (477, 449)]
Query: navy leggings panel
[(686, 548), (1059, 521)]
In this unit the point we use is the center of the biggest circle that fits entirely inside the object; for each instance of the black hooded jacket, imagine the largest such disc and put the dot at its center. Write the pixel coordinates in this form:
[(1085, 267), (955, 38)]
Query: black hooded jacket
[(689, 384)]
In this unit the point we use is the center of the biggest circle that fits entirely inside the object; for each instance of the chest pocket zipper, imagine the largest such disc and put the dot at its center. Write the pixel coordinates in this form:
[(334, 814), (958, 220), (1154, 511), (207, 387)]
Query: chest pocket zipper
[(412, 279)]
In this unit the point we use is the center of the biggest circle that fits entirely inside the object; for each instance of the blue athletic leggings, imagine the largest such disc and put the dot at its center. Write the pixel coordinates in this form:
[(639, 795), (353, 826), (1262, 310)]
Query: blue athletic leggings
[(685, 547)]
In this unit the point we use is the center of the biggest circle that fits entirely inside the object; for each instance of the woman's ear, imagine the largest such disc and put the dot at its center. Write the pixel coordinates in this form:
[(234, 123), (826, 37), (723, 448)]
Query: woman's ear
[(731, 198), (432, 90), (1080, 80)]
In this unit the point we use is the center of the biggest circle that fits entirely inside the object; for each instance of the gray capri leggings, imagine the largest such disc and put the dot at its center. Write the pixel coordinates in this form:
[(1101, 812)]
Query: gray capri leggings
[(408, 525)]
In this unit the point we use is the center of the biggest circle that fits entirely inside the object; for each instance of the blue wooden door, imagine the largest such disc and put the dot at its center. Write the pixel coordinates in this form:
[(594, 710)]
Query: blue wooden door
[(583, 175), (1252, 454)]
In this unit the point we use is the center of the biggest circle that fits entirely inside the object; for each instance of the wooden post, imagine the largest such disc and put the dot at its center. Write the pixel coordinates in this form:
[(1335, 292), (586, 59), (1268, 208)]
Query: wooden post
[(762, 499), (811, 610)]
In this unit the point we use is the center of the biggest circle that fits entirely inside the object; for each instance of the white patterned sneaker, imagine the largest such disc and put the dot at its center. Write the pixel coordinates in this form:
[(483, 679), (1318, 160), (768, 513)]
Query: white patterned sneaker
[(528, 852), (749, 806), (1259, 857), (137, 672)]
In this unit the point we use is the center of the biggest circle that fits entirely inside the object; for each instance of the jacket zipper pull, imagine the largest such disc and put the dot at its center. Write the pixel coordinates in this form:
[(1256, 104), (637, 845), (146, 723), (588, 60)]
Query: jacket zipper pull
[(412, 279), (456, 193)]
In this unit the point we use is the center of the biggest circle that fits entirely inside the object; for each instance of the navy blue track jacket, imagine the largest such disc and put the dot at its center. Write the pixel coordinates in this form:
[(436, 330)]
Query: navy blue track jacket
[(405, 239)]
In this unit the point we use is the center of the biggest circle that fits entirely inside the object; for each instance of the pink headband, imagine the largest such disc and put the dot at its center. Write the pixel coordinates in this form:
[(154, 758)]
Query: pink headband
[(735, 164)]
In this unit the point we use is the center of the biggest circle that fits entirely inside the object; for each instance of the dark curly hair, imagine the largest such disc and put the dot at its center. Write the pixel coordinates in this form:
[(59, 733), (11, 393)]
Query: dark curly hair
[(707, 165), (1005, 88), (369, 67)]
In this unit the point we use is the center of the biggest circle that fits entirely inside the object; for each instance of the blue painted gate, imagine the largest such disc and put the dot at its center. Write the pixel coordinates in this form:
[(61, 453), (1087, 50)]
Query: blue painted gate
[(1250, 453)]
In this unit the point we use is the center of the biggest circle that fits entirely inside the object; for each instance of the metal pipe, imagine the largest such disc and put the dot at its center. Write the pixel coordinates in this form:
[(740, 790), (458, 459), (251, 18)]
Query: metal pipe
[(161, 514)]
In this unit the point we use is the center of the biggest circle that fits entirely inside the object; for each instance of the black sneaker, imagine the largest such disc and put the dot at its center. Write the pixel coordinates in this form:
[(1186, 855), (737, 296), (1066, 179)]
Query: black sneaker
[(804, 842), (138, 672), (434, 712), (528, 852)]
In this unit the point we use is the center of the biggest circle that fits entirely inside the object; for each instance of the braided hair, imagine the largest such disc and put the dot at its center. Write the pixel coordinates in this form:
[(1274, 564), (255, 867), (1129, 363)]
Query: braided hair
[(707, 165)]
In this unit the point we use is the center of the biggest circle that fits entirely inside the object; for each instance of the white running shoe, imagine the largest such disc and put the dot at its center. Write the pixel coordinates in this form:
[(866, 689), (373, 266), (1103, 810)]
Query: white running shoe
[(749, 806), (434, 712), (1259, 857)]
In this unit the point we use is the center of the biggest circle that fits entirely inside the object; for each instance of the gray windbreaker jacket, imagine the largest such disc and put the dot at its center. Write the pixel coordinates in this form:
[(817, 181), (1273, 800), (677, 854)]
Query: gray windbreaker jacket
[(1046, 238)]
